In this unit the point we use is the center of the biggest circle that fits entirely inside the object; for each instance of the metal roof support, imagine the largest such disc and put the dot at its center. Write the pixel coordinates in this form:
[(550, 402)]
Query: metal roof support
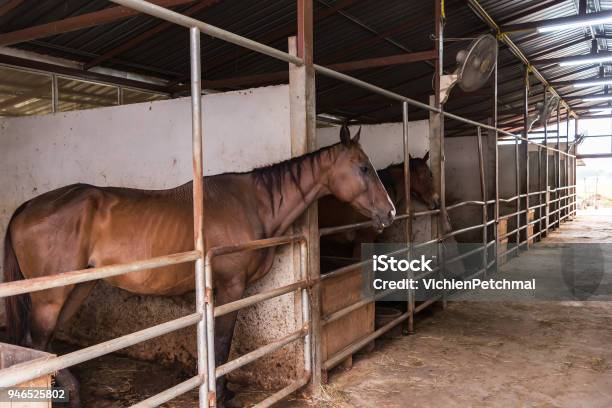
[(133, 42), (93, 19), (9, 6), (534, 25), (504, 38)]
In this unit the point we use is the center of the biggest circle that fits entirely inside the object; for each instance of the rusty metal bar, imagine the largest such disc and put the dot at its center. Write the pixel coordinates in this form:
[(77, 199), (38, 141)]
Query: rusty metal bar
[(260, 352), (86, 275), (518, 191), (483, 191), (169, 394), (259, 297), (188, 22), (20, 373), (407, 208), (279, 395), (203, 291), (526, 133)]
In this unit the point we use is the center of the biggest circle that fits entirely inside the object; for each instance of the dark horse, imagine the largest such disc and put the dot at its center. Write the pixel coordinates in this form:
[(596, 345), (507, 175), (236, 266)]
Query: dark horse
[(82, 226), (333, 212)]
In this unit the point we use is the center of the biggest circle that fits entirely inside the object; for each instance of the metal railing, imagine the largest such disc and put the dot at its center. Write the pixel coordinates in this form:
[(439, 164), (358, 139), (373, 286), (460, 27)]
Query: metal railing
[(206, 311)]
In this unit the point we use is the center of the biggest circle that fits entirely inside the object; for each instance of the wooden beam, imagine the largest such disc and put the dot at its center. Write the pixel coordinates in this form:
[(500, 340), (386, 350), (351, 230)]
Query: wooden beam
[(93, 19), (10, 5), (133, 42)]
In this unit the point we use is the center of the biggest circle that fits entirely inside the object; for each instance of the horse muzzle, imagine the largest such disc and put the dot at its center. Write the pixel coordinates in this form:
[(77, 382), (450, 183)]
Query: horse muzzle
[(382, 221)]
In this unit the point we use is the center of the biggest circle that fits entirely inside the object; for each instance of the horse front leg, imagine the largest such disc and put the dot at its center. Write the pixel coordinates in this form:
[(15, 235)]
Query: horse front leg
[(224, 331)]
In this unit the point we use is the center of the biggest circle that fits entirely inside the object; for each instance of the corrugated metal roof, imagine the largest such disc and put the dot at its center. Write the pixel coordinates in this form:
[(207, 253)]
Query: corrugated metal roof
[(361, 29)]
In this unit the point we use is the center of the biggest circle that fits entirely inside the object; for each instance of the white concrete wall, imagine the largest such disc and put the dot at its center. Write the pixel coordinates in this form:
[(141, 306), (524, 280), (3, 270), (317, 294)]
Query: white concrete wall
[(384, 142)]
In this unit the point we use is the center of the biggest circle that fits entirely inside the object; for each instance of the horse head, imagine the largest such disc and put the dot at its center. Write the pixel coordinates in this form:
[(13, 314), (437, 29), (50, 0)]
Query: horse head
[(421, 181), (353, 179)]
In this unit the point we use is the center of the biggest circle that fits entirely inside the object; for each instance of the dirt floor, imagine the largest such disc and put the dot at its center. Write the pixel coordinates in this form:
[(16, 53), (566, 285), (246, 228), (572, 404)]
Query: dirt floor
[(535, 353)]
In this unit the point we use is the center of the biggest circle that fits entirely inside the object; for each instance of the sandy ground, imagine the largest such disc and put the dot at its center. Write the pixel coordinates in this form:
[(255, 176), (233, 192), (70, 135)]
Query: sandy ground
[(477, 354)]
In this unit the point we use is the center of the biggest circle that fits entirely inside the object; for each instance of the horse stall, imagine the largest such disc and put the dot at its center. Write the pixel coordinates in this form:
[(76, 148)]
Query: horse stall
[(145, 146), (349, 321), (299, 174)]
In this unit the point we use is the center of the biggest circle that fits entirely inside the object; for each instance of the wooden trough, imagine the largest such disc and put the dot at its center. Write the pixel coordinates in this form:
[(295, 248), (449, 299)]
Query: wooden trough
[(13, 356)]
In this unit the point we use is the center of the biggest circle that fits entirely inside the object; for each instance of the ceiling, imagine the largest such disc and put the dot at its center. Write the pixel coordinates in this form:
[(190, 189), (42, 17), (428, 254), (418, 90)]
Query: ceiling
[(345, 30)]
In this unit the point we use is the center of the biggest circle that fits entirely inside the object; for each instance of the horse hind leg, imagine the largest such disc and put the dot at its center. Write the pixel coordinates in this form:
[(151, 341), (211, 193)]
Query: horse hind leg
[(74, 302), (50, 309), (44, 317)]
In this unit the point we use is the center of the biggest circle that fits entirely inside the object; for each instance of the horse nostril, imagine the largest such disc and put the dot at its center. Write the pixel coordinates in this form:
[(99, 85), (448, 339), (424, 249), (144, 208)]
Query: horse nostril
[(391, 214)]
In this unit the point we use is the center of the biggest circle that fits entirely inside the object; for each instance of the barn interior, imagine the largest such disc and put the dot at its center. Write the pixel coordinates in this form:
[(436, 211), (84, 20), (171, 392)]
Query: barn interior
[(103, 92)]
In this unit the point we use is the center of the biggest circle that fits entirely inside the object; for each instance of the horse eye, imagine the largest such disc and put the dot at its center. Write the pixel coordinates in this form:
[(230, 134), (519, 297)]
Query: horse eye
[(363, 169)]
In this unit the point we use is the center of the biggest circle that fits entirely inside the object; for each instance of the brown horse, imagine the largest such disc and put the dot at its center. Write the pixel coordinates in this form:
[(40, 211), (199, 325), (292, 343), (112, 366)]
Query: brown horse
[(333, 212), (81, 226)]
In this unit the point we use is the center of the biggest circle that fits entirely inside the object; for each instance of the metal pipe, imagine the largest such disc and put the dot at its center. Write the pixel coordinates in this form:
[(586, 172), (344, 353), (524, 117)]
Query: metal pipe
[(20, 373), (464, 203), (306, 306), (407, 209), (54, 94), (526, 133), (518, 190), (558, 159), (260, 297), (86, 275), (169, 394), (188, 22), (260, 352), (483, 191), (496, 207), (279, 395), (202, 296)]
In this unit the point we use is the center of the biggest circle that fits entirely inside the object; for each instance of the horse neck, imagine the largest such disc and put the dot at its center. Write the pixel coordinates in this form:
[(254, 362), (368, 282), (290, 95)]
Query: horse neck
[(287, 189)]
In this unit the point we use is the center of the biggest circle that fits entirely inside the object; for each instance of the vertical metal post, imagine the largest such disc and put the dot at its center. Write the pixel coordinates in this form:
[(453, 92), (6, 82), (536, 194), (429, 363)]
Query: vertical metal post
[(540, 229), (567, 160), (439, 66), (518, 196), (546, 181), (575, 189), (202, 295), (307, 355), (54, 94), (483, 191), (407, 209), (119, 95), (558, 168), (496, 209), (526, 147)]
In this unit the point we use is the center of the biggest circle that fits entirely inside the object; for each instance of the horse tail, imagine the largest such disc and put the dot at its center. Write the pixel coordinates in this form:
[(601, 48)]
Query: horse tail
[(18, 306)]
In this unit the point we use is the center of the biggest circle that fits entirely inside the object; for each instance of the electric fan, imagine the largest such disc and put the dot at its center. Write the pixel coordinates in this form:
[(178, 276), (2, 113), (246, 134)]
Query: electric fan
[(475, 65)]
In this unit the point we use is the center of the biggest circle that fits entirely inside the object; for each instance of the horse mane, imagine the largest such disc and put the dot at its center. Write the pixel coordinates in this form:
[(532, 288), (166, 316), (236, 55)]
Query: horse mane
[(271, 177)]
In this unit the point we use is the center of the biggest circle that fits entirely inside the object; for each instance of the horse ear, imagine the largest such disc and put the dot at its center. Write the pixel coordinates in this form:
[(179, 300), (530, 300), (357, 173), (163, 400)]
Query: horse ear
[(357, 135), (345, 135), (409, 156), (426, 157)]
